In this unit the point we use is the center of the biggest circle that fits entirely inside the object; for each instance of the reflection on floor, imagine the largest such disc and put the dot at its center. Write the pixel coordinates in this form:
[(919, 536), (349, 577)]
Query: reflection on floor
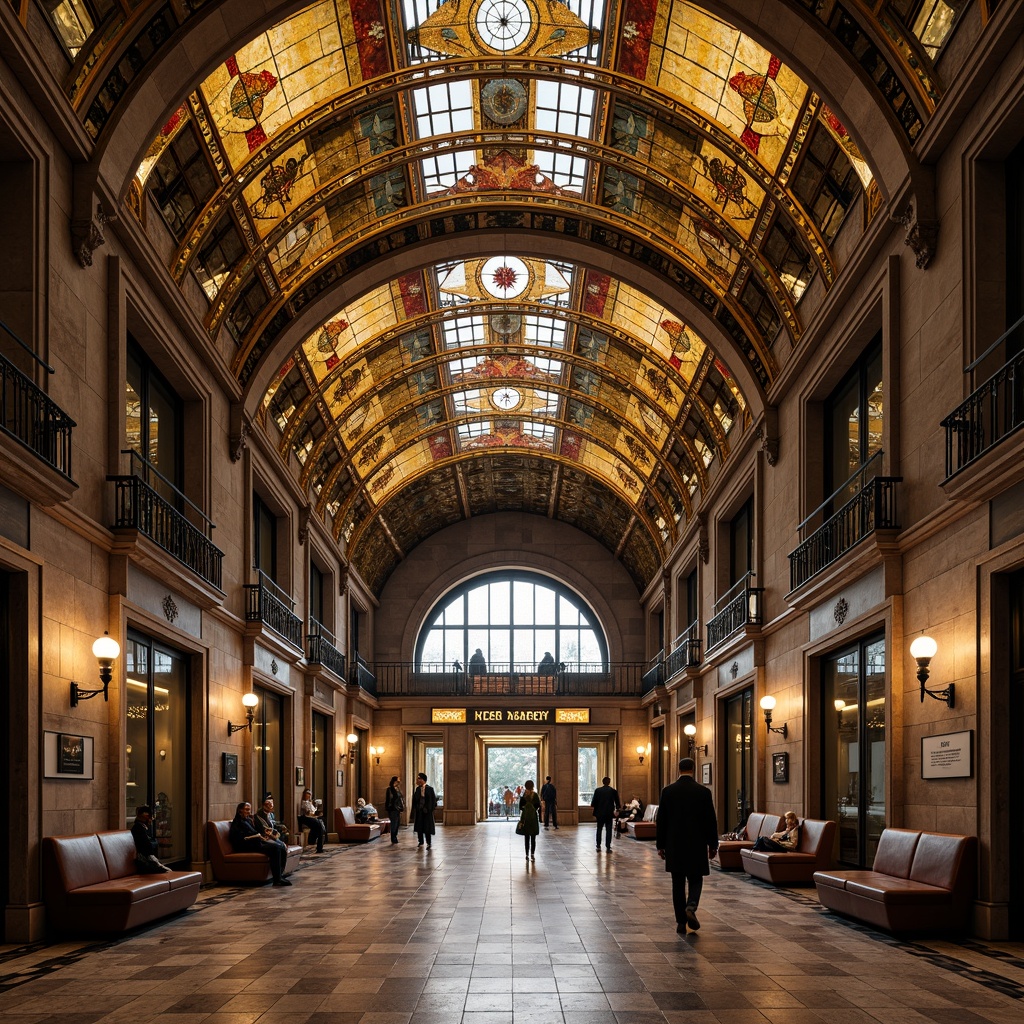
[(473, 932)]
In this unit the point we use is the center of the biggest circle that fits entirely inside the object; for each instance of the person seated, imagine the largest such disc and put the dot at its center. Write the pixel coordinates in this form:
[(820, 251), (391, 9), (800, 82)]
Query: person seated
[(248, 836), (146, 847), (633, 811), (311, 816), (365, 812), (546, 665), (781, 842), (265, 819)]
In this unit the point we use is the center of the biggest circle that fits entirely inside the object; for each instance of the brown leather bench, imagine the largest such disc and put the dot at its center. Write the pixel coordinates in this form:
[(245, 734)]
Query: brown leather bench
[(798, 866), (91, 884), (920, 881), (228, 865), (351, 831), (647, 826), (757, 824)]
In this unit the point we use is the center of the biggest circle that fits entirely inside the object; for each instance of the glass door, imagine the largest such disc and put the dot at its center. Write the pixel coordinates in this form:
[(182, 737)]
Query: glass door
[(320, 763), (268, 747), (739, 760), (156, 742), (853, 757)]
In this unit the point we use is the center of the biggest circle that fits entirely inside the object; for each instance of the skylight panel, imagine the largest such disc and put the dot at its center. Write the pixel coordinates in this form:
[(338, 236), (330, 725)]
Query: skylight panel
[(545, 330), (566, 171), (443, 107), (463, 331), (565, 108)]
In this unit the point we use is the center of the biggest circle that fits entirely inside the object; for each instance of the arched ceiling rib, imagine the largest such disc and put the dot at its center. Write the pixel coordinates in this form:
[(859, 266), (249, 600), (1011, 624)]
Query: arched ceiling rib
[(348, 134)]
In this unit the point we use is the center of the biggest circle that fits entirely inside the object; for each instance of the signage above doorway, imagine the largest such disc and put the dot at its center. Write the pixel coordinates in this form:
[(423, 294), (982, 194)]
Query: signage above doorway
[(510, 716)]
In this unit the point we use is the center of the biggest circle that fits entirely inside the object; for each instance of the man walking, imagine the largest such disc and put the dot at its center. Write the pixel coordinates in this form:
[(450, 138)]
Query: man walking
[(687, 836), (421, 810), (549, 797), (605, 802)]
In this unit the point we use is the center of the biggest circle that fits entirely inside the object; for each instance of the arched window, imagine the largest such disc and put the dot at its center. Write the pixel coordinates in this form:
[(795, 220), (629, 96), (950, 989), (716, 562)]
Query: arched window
[(516, 620)]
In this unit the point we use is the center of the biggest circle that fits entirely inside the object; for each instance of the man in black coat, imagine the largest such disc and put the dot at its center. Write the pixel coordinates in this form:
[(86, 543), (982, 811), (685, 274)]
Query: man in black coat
[(605, 803), (422, 805), (687, 835)]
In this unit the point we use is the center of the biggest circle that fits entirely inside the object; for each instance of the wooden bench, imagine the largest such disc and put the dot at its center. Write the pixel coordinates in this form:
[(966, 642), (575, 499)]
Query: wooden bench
[(91, 884), (228, 865), (798, 866), (647, 826), (920, 881), (757, 824), (351, 831)]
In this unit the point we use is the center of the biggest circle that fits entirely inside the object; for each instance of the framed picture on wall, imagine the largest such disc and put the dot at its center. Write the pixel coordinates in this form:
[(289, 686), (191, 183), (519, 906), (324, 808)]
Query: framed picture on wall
[(780, 767), (705, 773), (67, 756), (229, 768), (341, 777), (300, 775)]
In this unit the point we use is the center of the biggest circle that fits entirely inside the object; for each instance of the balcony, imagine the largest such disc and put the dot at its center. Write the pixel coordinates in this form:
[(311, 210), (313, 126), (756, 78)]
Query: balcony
[(363, 676), (269, 605), (991, 415), (321, 649), (407, 679), (31, 421), (654, 676), (172, 522), (735, 610), (685, 652), (873, 506)]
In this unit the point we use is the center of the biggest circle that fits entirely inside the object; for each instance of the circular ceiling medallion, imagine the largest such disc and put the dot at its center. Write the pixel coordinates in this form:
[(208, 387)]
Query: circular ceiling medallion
[(503, 100), (505, 277), (506, 323), (505, 398), (503, 24)]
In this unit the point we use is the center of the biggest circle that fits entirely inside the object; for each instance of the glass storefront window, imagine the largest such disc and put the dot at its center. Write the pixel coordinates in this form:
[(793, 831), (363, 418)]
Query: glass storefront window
[(739, 759)]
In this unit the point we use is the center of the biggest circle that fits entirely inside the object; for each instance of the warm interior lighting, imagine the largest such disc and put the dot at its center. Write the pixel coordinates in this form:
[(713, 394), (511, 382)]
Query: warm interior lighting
[(249, 702), (640, 751), (767, 703), (106, 650), (922, 650)]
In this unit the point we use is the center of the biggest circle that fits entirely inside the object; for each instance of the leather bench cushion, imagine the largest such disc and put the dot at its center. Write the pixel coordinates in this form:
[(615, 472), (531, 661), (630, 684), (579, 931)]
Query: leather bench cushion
[(768, 857), (119, 891), (937, 859), (889, 890), (119, 853), (246, 858), (895, 852), (183, 879), (79, 860)]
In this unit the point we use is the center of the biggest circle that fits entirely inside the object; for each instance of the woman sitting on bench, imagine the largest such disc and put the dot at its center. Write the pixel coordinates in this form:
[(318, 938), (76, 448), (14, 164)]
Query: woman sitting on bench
[(785, 841)]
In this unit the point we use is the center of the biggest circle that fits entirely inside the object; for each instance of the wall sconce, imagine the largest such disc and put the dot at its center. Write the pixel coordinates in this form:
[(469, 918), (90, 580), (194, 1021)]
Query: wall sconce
[(768, 706), (353, 739), (640, 751), (839, 704), (922, 650), (691, 731), (106, 651), (249, 701), (163, 754), (375, 752)]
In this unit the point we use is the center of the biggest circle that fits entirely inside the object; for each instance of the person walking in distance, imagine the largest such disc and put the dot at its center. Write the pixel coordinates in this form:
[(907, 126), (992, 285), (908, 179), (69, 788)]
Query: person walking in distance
[(605, 803), (529, 816), (687, 836), (549, 798), (394, 804), (421, 810)]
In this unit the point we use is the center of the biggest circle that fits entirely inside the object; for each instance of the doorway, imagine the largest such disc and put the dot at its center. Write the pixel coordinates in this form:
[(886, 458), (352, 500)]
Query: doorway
[(508, 763)]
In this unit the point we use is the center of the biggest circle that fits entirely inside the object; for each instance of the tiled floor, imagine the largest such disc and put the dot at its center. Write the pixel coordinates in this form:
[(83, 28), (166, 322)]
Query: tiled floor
[(470, 932)]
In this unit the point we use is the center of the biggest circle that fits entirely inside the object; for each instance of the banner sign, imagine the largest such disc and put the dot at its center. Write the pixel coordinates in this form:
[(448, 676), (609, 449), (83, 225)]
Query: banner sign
[(510, 716)]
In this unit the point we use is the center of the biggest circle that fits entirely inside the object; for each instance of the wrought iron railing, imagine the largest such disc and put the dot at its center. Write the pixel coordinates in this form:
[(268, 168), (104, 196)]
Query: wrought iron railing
[(993, 412), (267, 603), (655, 673), (177, 526), (739, 607), (433, 679), (363, 675), (685, 651), (873, 507), (321, 648), (30, 416)]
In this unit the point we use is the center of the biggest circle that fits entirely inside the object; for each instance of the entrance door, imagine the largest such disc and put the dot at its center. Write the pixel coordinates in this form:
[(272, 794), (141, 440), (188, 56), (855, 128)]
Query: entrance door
[(1015, 777), (853, 753), (508, 767), (739, 760)]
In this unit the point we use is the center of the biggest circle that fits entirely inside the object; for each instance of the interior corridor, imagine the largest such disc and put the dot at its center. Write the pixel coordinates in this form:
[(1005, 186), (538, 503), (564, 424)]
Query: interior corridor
[(471, 932)]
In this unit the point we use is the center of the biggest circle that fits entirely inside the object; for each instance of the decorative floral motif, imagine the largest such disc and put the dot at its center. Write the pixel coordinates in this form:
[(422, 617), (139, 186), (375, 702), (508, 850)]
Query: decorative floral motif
[(840, 611), (170, 608)]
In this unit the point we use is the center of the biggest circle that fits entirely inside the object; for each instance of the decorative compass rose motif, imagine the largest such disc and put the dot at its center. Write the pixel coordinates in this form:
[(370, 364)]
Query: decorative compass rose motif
[(503, 24), (505, 398)]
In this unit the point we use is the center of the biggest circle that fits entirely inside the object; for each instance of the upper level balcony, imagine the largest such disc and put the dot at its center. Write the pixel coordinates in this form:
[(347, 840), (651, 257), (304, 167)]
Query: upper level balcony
[(868, 503), (735, 610), (686, 652), (147, 502), (654, 675), (32, 422), (322, 649), (983, 432), (429, 679), (363, 675), (268, 604)]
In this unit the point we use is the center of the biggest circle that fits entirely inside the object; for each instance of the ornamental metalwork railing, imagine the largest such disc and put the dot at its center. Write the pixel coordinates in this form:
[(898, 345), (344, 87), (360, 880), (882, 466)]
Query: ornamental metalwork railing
[(654, 675), (321, 648), (992, 413), (582, 679), (169, 519), (685, 651), (267, 603), (363, 675), (30, 416), (739, 607), (872, 507)]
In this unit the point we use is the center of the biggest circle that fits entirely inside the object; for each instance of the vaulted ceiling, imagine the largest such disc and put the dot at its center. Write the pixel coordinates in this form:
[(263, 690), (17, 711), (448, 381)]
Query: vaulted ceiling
[(582, 233)]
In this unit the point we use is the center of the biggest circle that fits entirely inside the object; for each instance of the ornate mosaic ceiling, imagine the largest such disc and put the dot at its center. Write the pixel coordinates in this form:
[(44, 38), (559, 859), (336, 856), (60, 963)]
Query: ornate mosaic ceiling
[(356, 130)]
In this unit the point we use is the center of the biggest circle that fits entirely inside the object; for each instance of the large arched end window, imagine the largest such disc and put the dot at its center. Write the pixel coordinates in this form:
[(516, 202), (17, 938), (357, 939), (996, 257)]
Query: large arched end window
[(518, 621)]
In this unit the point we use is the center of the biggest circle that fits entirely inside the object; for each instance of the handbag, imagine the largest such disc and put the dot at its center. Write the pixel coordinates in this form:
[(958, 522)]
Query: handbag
[(519, 828)]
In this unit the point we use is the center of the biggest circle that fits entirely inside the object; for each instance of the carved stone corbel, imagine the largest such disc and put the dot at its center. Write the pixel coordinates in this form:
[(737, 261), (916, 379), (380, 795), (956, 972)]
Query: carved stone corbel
[(767, 434), (703, 545), (304, 513), (343, 580), (238, 431), (915, 212), (92, 210)]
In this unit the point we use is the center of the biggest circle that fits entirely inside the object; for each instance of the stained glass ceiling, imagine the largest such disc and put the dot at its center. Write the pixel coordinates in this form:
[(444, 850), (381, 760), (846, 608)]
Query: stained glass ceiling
[(341, 137)]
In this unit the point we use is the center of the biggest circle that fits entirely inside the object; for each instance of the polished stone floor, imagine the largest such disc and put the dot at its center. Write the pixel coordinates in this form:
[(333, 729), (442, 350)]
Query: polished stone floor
[(470, 932)]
